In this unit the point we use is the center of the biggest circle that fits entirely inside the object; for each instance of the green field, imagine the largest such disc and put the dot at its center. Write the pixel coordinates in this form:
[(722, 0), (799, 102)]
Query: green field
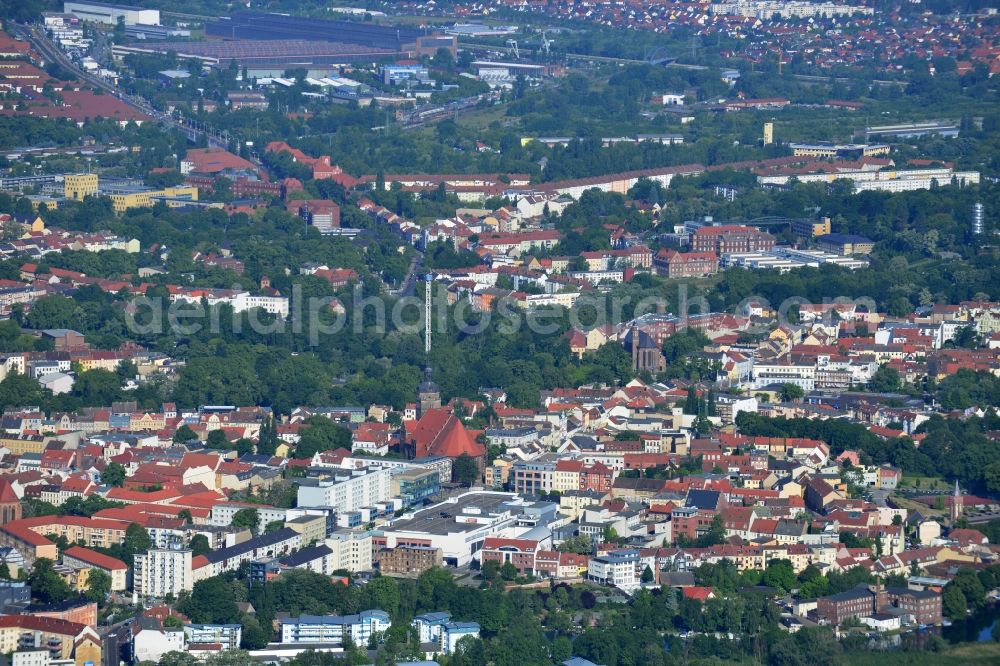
[(967, 654)]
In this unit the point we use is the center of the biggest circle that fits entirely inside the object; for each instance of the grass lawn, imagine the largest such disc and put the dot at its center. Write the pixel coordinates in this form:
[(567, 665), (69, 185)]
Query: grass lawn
[(966, 654), (481, 118), (910, 505), (926, 483)]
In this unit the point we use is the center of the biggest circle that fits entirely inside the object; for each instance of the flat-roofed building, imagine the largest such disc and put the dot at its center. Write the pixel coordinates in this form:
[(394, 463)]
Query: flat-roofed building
[(409, 561)]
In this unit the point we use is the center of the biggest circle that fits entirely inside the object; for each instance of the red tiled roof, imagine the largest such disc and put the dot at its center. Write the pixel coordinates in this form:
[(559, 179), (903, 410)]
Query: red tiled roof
[(95, 558)]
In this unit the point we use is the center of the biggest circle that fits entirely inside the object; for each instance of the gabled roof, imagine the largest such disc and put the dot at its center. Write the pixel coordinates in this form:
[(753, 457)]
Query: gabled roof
[(438, 432)]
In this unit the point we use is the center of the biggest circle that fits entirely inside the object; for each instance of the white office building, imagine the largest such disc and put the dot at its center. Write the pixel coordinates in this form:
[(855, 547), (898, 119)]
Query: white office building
[(346, 490)]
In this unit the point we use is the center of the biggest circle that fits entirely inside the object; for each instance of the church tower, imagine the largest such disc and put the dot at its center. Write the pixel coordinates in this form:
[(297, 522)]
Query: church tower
[(428, 394), (956, 504)]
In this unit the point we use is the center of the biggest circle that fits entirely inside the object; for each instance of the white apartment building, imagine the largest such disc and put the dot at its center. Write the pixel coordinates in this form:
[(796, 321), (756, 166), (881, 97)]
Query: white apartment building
[(803, 376), (618, 568), (333, 628), (765, 10), (346, 490), (350, 550), (226, 635), (162, 571)]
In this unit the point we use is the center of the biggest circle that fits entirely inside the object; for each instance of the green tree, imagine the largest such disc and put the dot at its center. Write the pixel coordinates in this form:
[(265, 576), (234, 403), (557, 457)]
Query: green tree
[(172, 622), (490, 569), (691, 403), (508, 571), (247, 519), (253, 637), (464, 470), (791, 392), (199, 545), (98, 585), (211, 601), (217, 440), (779, 574), (46, 585), (321, 434), (97, 387), (647, 575), (885, 380), (113, 475), (267, 439), (136, 541), (953, 603), (184, 434)]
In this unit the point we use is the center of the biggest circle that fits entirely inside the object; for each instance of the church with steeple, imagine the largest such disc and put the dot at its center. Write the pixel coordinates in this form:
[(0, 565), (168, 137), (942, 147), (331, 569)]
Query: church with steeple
[(437, 431), (957, 504)]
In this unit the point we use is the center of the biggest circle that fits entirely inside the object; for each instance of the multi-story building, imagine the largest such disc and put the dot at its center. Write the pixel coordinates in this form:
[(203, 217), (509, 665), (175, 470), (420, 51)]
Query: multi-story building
[(566, 477), (846, 150), (511, 437), (533, 477), (346, 490), (409, 560), (728, 406), (441, 629), (414, 485), (226, 635), (458, 525), (674, 264), (275, 544), (162, 571), (311, 528), (82, 558), (519, 552), (144, 197), (497, 474), (334, 628), (811, 228), (924, 605), (845, 244), (618, 568), (596, 477), (729, 239), (351, 551), (60, 639), (79, 185)]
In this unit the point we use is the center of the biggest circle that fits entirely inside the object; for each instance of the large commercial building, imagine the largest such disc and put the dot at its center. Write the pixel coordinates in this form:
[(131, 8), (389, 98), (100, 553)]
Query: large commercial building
[(162, 571), (846, 150), (731, 238), (396, 39), (460, 525), (144, 197), (100, 12), (79, 185)]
